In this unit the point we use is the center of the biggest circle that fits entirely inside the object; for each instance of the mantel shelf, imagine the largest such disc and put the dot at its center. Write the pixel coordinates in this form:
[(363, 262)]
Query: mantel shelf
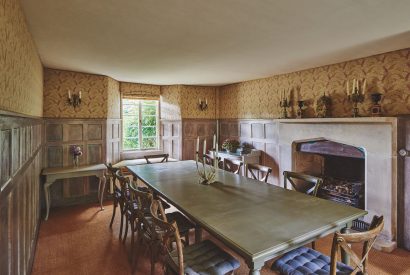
[(361, 120)]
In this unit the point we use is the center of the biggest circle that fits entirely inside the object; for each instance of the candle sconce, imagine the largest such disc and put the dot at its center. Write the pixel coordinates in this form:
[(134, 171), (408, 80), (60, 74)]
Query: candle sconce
[(203, 105), (74, 99)]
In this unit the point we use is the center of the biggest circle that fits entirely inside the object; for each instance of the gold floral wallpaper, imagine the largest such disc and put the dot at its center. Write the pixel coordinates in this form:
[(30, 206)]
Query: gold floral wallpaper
[(21, 72), (113, 98), (94, 91), (387, 73), (181, 101), (140, 90)]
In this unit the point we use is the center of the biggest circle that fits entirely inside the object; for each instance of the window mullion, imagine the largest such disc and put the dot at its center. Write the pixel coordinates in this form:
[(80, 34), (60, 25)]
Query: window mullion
[(140, 123)]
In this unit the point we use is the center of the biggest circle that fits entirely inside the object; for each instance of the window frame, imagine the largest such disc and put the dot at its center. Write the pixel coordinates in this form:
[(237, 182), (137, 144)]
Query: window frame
[(140, 126)]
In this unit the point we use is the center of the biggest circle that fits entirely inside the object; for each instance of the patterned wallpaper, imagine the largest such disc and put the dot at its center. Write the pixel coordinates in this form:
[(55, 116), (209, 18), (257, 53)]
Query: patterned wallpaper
[(113, 98), (21, 72), (387, 73), (94, 90), (140, 90), (180, 101)]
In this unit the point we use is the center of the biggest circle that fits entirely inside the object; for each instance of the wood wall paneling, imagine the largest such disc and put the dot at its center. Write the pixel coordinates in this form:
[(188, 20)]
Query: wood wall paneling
[(20, 168), (95, 137), (261, 134), (193, 128), (170, 137), (113, 140)]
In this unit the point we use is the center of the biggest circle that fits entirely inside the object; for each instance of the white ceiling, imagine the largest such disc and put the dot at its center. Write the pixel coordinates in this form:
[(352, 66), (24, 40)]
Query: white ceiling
[(211, 42)]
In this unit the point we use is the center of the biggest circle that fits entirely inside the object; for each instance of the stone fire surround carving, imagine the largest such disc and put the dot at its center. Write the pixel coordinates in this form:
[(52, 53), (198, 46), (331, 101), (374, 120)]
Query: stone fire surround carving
[(377, 136)]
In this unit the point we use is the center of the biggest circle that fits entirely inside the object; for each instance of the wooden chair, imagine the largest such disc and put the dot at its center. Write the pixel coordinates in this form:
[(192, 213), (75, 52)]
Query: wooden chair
[(164, 158), (307, 184), (117, 191), (209, 159), (304, 260), (262, 172), (232, 165), (201, 258)]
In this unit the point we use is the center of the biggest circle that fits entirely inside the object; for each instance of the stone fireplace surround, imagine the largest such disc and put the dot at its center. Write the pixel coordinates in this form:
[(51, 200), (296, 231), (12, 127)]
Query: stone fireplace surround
[(378, 136)]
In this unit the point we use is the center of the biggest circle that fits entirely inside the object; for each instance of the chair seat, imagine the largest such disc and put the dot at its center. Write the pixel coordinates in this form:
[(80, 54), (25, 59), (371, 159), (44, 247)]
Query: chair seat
[(184, 225), (204, 258), (303, 261)]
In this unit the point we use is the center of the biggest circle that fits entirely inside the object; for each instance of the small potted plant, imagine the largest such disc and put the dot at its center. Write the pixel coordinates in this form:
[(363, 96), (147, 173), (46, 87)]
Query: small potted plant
[(76, 152), (230, 145)]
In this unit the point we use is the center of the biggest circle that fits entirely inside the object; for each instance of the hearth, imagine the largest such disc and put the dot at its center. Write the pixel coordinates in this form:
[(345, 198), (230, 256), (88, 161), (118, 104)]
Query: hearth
[(343, 191)]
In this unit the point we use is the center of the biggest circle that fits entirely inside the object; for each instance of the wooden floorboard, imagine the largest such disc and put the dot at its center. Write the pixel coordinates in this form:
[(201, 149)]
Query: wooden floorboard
[(77, 240)]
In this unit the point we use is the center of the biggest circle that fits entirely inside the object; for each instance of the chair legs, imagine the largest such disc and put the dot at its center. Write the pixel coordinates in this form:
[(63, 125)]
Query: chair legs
[(113, 212)]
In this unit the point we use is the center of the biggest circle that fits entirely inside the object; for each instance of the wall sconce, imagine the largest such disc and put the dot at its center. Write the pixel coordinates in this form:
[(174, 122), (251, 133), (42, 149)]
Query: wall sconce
[(74, 99), (203, 105)]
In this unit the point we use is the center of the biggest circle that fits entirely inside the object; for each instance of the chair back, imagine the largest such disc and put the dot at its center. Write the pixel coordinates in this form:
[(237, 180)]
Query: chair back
[(142, 198), (209, 159), (258, 172), (306, 183), (163, 157), (112, 173), (368, 238), (232, 165), (163, 232)]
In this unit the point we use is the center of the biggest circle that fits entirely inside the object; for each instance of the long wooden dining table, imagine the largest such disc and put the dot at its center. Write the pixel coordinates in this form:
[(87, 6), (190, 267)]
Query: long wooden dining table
[(258, 221)]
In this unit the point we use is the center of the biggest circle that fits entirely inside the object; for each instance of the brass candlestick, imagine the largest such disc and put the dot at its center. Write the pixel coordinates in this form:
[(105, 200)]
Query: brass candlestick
[(284, 104), (356, 97)]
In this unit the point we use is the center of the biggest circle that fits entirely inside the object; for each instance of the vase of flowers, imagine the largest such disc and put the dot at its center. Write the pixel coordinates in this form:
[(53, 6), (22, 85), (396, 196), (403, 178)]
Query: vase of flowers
[(76, 152), (230, 145)]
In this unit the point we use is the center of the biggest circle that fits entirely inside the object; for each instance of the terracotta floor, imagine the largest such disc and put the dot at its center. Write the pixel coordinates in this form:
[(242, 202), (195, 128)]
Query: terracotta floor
[(77, 240)]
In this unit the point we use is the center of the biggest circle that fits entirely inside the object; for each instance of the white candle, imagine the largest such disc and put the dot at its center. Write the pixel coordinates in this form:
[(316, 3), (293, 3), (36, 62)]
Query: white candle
[(206, 101), (216, 155), (199, 101), (364, 86), (69, 94), (197, 144), (79, 94), (111, 186), (214, 142), (204, 147), (354, 85), (347, 87)]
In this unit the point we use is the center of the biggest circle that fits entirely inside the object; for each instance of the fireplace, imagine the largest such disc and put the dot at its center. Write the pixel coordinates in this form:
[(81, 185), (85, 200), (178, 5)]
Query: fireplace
[(342, 168)]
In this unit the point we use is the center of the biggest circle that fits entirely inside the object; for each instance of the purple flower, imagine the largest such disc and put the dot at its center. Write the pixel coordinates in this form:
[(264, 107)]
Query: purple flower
[(76, 150)]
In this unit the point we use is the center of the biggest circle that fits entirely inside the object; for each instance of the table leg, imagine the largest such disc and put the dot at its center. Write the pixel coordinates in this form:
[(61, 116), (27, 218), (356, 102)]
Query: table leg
[(198, 234), (47, 198), (345, 256), (255, 268), (101, 189)]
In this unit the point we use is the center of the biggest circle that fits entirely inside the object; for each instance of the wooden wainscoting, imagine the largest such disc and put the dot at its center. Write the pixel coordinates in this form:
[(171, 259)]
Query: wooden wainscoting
[(261, 134), (171, 138), (193, 128), (60, 135), (20, 168), (113, 140)]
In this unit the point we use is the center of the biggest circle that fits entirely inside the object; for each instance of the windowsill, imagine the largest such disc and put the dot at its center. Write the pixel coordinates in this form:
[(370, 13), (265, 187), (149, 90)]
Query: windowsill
[(137, 154)]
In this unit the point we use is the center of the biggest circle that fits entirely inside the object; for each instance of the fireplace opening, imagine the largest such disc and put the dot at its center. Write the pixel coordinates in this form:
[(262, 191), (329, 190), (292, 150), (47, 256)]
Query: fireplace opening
[(341, 166)]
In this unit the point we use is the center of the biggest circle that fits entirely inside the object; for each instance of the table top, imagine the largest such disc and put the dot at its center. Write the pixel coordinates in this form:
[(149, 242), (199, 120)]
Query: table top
[(72, 169), (257, 220)]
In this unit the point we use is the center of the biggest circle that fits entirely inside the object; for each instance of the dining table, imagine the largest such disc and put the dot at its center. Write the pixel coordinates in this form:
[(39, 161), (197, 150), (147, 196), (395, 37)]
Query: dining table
[(258, 221)]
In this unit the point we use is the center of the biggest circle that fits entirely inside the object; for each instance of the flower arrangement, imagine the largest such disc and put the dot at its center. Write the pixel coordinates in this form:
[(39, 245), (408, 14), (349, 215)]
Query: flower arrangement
[(76, 152), (230, 145)]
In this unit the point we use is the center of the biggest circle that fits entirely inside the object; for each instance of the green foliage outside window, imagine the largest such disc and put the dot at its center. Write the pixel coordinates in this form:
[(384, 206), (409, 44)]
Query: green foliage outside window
[(136, 128)]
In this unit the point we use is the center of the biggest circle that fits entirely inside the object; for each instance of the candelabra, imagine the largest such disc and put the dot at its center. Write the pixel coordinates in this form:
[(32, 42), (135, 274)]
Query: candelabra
[(357, 95), (207, 173), (284, 104)]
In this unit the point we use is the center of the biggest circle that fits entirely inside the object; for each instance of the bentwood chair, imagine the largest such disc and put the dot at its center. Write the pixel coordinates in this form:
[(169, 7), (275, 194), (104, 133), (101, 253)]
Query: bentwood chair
[(162, 157), (305, 183), (117, 191), (304, 260), (258, 172), (200, 258), (232, 165), (209, 159)]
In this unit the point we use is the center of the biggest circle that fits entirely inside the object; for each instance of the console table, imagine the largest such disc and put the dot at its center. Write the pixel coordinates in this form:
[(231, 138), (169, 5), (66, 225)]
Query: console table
[(252, 157), (53, 174)]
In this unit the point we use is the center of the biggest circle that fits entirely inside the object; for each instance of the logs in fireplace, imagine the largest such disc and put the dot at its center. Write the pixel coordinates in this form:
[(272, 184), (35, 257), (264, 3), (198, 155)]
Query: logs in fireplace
[(343, 191)]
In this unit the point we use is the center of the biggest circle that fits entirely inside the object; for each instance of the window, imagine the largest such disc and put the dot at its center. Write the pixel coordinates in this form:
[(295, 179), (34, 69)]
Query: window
[(139, 124)]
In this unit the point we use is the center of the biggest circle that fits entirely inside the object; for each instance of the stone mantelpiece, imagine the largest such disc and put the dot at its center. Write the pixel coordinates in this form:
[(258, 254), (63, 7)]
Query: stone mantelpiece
[(378, 138)]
